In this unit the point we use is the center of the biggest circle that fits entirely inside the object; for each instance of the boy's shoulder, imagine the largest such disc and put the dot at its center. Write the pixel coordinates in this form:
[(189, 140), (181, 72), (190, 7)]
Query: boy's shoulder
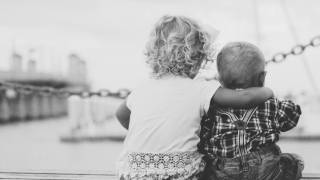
[(278, 104), (270, 106), (271, 103)]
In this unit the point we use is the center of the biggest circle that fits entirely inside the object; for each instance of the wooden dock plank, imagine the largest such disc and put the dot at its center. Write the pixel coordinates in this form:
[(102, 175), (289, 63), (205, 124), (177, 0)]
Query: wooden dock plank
[(310, 176), (56, 175), (86, 175)]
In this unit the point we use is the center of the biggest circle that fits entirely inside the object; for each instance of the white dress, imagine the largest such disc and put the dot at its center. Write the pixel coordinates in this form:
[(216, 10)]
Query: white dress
[(164, 129)]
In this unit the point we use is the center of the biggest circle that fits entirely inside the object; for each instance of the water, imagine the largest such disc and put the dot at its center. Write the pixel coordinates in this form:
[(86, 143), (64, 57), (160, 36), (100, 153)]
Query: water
[(36, 146)]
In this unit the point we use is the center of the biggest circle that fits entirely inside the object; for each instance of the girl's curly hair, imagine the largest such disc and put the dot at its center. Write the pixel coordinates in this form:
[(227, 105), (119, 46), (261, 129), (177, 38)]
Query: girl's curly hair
[(178, 46)]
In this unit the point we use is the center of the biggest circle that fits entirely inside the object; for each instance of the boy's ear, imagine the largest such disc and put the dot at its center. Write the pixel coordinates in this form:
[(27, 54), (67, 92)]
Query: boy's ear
[(262, 77)]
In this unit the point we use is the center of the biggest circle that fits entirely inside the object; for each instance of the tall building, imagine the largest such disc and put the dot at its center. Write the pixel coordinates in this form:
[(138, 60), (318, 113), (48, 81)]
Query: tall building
[(15, 62), (77, 69)]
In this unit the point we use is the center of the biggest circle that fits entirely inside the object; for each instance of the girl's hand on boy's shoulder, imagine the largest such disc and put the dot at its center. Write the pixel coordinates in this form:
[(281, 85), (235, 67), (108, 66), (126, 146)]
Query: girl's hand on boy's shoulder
[(268, 91)]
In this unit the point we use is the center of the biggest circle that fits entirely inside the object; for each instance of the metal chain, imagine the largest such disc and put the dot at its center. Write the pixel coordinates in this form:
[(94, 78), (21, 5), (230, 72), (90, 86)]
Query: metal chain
[(12, 89), (296, 50)]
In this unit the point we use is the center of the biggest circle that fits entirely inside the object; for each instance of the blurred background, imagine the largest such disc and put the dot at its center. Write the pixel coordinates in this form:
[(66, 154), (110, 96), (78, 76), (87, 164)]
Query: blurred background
[(83, 45)]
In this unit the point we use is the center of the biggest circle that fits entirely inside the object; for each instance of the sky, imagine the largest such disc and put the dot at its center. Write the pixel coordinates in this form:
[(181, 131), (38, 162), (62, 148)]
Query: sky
[(111, 34)]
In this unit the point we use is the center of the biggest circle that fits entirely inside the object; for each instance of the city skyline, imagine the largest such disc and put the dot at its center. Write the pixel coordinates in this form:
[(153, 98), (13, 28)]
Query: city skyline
[(112, 42)]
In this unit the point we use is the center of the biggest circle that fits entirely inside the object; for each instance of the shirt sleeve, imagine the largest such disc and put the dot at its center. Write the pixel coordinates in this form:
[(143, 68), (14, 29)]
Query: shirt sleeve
[(130, 100), (288, 115), (209, 89)]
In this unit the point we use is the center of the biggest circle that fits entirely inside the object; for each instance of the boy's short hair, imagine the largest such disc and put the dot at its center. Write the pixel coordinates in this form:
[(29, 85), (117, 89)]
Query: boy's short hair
[(239, 63)]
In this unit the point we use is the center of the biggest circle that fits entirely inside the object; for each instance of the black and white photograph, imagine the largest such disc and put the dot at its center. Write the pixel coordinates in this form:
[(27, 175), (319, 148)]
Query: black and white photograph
[(160, 89)]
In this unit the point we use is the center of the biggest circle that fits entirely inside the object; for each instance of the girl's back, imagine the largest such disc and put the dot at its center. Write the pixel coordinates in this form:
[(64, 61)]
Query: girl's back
[(166, 113)]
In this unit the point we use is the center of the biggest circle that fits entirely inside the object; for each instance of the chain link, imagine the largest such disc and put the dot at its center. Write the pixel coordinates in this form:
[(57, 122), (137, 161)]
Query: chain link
[(12, 89), (315, 41), (296, 50)]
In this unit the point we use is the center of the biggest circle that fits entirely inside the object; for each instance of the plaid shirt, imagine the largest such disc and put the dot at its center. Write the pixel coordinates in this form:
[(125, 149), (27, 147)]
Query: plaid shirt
[(220, 135)]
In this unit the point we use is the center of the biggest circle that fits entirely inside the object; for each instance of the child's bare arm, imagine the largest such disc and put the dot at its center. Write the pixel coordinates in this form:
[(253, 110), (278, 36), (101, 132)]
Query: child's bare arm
[(123, 114), (245, 98)]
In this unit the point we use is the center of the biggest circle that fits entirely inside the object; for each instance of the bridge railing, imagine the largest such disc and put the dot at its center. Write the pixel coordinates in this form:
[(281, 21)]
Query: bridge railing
[(58, 175)]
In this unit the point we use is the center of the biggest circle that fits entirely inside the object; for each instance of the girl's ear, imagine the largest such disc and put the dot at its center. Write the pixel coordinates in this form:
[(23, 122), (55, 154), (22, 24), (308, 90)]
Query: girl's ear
[(262, 77)]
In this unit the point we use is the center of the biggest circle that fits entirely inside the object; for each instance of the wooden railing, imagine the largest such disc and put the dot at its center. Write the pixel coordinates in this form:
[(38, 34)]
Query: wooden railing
[(52, 175), (84, 175)]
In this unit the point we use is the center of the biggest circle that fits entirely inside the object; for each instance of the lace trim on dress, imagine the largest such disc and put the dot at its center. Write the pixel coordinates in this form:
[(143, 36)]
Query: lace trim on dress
[(178, 165)]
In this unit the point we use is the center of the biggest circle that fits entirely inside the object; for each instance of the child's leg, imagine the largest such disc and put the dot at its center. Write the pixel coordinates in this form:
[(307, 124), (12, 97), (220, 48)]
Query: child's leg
[(222, 170), (291, 166), (279, 166), (269, 168)]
